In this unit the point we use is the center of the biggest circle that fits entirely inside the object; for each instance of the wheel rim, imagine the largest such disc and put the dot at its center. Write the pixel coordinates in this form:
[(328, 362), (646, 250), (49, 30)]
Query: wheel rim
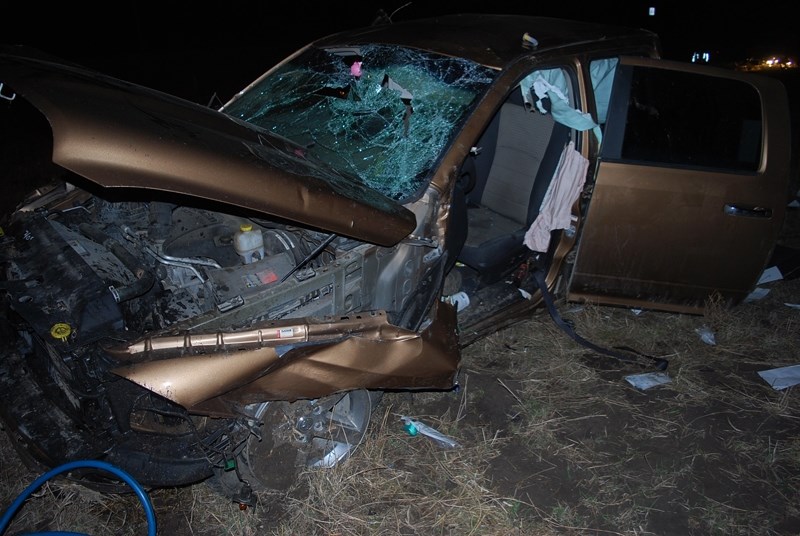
[(317, 433)]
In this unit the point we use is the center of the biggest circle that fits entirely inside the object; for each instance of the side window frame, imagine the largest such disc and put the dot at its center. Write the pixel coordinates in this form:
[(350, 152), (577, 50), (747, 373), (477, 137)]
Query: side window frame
[(683, 119)]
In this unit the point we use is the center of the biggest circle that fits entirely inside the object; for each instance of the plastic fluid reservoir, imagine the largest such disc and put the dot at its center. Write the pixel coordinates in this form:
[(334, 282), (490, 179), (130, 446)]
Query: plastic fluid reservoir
[(249, 243)]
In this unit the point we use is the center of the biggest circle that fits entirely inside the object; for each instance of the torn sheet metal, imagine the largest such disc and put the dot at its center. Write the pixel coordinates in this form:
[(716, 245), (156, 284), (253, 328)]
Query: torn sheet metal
[(293, 358)]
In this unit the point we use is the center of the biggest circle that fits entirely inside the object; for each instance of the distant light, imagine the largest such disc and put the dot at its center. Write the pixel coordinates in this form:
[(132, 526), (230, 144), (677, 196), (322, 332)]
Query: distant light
[(651, 11), (771, 63)]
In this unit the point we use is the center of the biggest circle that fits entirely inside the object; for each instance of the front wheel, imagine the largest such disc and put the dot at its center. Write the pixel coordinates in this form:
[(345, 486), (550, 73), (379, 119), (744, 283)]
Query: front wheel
[(291, 436)]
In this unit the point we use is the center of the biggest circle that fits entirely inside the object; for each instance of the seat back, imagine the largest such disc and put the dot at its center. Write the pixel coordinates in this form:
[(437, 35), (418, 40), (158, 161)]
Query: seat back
[(522, 142), (507, 200)]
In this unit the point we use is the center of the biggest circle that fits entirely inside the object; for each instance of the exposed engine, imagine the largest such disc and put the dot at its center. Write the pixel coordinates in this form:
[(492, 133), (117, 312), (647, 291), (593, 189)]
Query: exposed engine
[(81, 268), (81, 271)]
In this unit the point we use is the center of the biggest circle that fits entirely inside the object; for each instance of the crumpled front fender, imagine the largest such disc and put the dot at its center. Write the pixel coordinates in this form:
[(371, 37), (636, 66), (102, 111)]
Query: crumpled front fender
[(214, 373)]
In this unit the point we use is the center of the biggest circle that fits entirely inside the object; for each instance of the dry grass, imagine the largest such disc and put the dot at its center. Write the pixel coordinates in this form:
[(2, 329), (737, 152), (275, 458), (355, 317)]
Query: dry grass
[(403, 485), (553, 441)]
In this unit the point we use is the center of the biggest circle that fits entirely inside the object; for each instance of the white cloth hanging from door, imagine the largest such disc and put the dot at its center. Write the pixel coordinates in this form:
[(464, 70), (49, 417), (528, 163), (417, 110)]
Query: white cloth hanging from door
[(556, 209)]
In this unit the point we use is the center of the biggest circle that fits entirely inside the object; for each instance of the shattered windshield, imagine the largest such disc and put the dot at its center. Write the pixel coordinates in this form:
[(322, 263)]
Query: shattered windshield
[(382, 114)]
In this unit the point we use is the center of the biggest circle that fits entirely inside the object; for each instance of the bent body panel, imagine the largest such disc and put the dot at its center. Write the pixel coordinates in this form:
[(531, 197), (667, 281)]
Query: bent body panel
[(120, 135), (291, 359)]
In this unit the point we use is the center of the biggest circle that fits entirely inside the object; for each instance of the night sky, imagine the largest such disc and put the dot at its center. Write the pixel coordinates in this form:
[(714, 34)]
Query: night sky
[(191, 51)]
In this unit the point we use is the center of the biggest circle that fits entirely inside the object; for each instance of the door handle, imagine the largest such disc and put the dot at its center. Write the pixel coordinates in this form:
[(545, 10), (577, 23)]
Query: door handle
[(748, 211)]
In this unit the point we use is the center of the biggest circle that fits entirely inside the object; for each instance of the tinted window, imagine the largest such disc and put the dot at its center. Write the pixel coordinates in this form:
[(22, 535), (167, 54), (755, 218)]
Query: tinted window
[(686, 119)]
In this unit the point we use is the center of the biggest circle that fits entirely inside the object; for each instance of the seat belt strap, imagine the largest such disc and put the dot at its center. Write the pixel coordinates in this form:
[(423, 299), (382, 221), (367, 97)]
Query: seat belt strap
[(632, 357)]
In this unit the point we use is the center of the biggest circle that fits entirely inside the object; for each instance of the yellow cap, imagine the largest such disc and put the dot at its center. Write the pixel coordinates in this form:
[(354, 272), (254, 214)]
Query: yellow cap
[(61, 331), (246, 227)]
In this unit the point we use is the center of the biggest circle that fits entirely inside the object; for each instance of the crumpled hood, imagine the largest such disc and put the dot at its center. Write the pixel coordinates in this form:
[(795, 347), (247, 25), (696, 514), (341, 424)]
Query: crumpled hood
[(118, 134)]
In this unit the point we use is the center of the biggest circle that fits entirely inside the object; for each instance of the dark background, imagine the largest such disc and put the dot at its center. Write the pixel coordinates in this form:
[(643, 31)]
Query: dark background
[(194, 51)]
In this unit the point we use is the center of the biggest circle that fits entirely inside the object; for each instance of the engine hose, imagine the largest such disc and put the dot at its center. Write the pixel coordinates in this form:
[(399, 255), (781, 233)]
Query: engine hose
[(144, 278), (144, 498)]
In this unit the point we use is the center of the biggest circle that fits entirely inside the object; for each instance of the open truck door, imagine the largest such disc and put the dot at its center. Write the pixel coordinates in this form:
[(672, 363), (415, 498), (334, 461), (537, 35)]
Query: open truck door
[(690, 190)]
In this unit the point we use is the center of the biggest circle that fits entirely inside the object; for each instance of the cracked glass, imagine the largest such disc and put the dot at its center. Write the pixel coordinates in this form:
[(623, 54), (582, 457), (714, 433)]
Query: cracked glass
[(381, 114)]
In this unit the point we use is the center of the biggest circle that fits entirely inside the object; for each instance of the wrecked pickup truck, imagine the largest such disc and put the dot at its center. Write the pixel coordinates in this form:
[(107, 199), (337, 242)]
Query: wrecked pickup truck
[(193, 293)]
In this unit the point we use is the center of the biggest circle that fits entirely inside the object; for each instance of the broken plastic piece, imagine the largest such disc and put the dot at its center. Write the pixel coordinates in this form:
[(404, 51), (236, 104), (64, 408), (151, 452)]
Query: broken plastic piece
[(528, 41), (9, 97), (706, 335), (244, 497), (424, 429), (410, 428), (460, 300)]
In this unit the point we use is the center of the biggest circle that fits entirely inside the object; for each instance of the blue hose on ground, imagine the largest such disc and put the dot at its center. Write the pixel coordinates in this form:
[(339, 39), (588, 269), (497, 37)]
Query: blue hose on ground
[(80, 464)]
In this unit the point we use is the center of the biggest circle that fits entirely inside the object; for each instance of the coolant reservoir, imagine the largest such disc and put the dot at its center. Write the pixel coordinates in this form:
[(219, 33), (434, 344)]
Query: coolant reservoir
[(249, 243)]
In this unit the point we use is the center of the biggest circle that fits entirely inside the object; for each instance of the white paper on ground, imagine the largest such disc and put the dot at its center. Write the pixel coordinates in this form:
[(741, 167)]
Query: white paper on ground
[(782, 377), (773, 273), (648, 379), (757, 294)]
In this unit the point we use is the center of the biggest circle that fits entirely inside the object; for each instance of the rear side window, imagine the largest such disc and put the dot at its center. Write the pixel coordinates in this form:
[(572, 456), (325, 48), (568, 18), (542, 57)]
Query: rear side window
[(683, 119)]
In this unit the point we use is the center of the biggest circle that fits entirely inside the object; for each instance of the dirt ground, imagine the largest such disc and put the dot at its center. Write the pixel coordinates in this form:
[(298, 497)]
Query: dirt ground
[(712, 452)]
